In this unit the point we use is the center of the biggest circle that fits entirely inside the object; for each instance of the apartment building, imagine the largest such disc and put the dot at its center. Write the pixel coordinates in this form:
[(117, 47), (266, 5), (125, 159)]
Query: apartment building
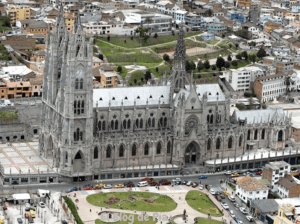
[(270, 87), (109, 79), (217, 28), (12, 90), (289, 187), (244, 3), (274, 171), (18, 12), (283, 64)]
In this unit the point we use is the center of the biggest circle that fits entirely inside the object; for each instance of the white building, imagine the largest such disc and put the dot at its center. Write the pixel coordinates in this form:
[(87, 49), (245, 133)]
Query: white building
[(288, 187), (167, 7), (281, 50), (17, 72), (240, 79), (295, 81), (273, 171), (248, 188)]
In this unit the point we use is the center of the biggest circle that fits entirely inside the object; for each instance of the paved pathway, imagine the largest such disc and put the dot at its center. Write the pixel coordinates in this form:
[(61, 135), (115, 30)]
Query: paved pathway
[(177, 193)]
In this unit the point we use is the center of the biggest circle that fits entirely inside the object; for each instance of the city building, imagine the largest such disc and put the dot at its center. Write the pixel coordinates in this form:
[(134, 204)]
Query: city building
[(288, 187), (274, 171), (248, 189), (244, 3), (18, 12), (217, 28), (287, 214), (109, 79), (10, 90)]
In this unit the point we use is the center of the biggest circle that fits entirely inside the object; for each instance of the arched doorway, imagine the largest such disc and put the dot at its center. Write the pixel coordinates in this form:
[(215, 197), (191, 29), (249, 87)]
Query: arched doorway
[(79, 162), (192, 153)]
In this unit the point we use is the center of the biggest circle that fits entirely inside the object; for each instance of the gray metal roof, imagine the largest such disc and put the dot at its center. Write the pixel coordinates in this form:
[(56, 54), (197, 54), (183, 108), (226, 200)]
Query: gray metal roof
[(265, 206), (139, 95)]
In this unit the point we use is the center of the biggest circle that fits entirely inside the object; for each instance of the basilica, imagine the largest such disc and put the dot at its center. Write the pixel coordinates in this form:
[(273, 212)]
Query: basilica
[(175, 123)]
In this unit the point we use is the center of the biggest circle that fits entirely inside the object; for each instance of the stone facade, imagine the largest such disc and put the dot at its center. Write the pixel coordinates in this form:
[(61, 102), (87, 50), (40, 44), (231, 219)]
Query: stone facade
[(175, 122)]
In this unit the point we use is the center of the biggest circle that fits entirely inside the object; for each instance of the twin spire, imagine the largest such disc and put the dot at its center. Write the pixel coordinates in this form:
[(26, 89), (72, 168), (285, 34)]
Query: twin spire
[(180, 52)]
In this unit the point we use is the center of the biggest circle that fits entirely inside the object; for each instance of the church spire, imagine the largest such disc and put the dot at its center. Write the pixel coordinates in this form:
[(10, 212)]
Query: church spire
[(60, 14), (77, 24), (180, 53)]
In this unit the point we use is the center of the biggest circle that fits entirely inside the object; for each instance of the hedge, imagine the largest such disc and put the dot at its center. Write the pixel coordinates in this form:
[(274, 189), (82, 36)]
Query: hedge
[(249, 95), (232, 186), (73, 209)]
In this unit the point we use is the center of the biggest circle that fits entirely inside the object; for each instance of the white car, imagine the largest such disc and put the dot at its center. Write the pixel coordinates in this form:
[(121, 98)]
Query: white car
[(249, 218), (231, 213), (189, 183), (27, 205), (231, 198), (176, 179), (42, 204), (228, 172), (212, 192), (243, 210), (224, 205), (201, 187), (240, 222), (108, 186)]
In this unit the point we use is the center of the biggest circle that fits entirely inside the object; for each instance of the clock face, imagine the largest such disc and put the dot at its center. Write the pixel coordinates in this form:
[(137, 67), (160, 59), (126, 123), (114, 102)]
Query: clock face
[(80, 72)]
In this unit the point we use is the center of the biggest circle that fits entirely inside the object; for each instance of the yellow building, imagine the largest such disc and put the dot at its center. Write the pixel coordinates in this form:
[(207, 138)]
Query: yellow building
[(286, 215), (18, 12), (70, 19), (245, 3)]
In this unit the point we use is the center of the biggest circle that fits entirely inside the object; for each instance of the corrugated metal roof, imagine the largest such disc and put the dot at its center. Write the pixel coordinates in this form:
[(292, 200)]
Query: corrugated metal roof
[(265, 206)]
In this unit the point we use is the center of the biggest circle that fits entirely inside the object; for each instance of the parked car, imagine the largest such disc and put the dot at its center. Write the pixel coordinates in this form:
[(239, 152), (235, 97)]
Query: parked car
[(142, 184), (249, 218), (226, 193), (146, 179), (162, 180), (212, 192), (218, 198), (27, 205), (88, 185), (228, 172), (257, 170), (235, 175), (42, 204), (243, 210), (176, 179), (236, 204), (119, 185), (108, 186), (189, 183), (258, 173), (127, 182), (222, 196), (4, 207), (64, 221), (29, 208), (203, 177), (225, 205), (19, 220), (184, 182), (201, 187), (231, 213), (231, 198), (26, 215)]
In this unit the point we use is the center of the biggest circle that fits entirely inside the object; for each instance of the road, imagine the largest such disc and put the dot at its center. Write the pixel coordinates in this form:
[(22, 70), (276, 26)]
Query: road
[(213, 179)]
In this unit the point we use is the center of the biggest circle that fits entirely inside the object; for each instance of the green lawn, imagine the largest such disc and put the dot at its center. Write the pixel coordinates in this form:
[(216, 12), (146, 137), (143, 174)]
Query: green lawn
[(161, 203), (209, 55), (171, 46), (124, 71), (150, 221), (212, 42), (8, 114), (161, 70), (137, 78), (135, 42), (202, 203)]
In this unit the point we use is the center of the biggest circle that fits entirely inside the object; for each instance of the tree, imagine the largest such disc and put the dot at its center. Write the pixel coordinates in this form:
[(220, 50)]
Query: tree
[(155, 35), (187, 66), (147, 75), (101, 56), (220, 63), (236, 45), (108, 38), (252, 57), (234, 63), (199, 66), (143, 34), (261, 53), (192, 65), (227, 64), (208, 13), (229, 58), (156, 69), (253, 44), (245, 55), (213, 67), (166, 57), (119, 69), (239, 56), (206, 64)]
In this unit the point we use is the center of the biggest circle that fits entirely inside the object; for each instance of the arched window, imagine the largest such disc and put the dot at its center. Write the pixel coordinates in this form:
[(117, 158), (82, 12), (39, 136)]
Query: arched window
[(77, 135), (95, 153), (99, 125), (218, 144), (240, 140), (280, 133), (169, 147), (58, 72), (108, 152), (81, 83), (137, 123), (103, 125), (230, 143), (146, 149), (77, 50), (78, 106), (82, 106), (133, 152), (75, 103), (208, 118), (141, 123), (66, 157), (76, 83), (116, 124), (153, 122), (121, 151), (212, 119), (208, 144), (128, 124), (255, 134), (263, 134), (161, 120), (149, 122), (249, 134), (165, 122), (112, 124), (124, 124), (158, 148)]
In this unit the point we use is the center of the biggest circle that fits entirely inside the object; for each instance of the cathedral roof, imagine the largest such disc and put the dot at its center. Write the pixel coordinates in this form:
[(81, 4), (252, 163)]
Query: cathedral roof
[(129, 95)]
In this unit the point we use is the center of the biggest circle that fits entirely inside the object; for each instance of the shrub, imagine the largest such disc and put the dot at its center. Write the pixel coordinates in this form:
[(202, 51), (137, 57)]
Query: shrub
[(232, 186), (131, 38), (234, 63), (240, 106), (125, 41), (73, 209), (119, 69), (213, 67), (249, 95), (155, 35), (166, 57), (156, 69), (101, 56)]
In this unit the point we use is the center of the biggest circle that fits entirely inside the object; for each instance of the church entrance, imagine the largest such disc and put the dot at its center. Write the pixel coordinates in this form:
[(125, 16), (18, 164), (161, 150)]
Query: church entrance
[(192, 153), (79, 162)]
